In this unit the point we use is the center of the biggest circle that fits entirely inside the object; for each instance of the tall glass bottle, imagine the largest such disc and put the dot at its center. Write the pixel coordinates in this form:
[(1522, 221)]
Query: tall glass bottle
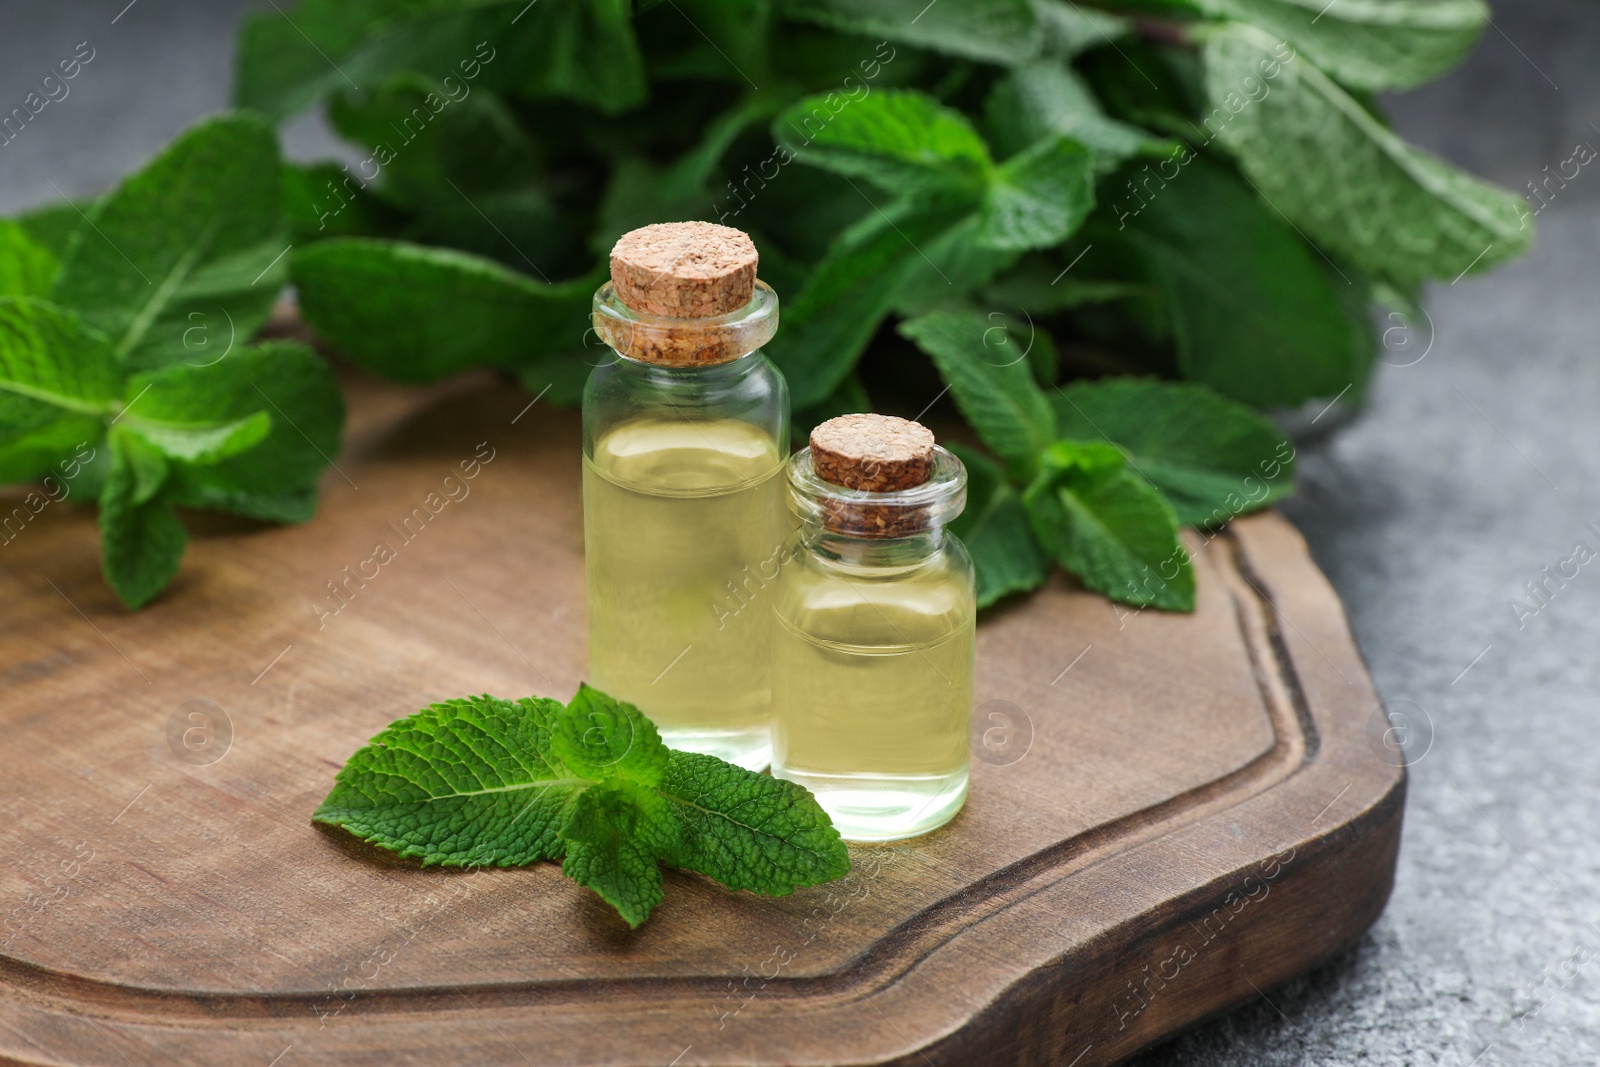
[(684, 438), (873, 652)]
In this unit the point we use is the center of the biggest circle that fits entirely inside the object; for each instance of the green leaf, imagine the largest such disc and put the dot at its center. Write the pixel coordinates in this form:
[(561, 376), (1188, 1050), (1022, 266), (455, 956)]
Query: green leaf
[(417, 314), (439, 144), (995, 528), (748, 830), (486, 781), (37, 440), (146, 464), (1041, 286), (189, 234), (601, 737), (467, 782), (27, 268), (1368, 44), (1038, 197), (641, 193), (141, 539), (828, 325), (54, 226), (901, 140), (49, 359), (1047, 98), (994, 31), (202, 442), (707, 40), (1345, 179), (1212, 458), (579, 50), (949, 264), (1108, 526), (989, 376), (1069, 29), (559, 378), (325, 200), (275, 480), (1254, 311), (609, 850)]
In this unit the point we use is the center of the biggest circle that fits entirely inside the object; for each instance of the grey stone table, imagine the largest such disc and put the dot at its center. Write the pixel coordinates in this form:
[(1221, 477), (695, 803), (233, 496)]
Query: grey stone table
[(1474, 467)]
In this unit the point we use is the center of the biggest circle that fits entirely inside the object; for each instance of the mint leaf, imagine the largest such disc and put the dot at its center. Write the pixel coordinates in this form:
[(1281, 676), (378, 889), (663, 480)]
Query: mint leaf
[(1069, 29), (418, 314), (203, 442), (193, 413), (1368, 44), (1212, 458), (601, 737), (1255, 314), (27, 268), (994, 31), (1047, 98), (323, 200), (146, 464), (1038, 197), (826, 327), (584, 50), (276, 479), (1110, 527), (1039, 285), (188, 235), (959, 221), (49, 358), (489, 781), (901, 140), (467, 782), (748, 830), (470, 144), (1347, 180), (995, 528), (141, 539), (53, 226), (641, 192), (989, 376), (610, 849), (35, 438), (950, 263), (58, 385)]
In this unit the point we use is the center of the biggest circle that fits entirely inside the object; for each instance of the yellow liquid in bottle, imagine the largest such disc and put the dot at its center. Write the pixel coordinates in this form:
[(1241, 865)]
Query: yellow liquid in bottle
[(681, 521), (872, 693)]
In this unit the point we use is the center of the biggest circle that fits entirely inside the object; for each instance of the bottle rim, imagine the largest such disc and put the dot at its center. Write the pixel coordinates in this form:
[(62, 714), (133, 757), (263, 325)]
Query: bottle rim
[(667, 341)]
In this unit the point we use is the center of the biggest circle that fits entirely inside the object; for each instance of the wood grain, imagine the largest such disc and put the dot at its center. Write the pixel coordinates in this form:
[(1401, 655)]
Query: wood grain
[(1174, 811)]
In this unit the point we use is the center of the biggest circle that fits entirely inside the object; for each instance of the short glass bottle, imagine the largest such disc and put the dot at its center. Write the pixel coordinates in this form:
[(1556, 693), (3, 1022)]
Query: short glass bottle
[(684, 439), (873, 652)]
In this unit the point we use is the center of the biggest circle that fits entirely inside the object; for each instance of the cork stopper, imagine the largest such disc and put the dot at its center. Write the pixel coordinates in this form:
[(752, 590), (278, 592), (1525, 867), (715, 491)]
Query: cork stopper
[(684, 270), (873, 453), (876, 454)]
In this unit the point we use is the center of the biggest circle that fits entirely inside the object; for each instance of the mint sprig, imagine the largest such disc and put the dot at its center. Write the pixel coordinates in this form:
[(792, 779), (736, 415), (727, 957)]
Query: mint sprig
[(483, 781), (1098, 475), (124, 368)]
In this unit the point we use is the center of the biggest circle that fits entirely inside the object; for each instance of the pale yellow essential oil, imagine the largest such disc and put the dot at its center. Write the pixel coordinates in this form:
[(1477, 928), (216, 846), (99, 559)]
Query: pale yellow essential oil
[(872, 689), (684, 527)]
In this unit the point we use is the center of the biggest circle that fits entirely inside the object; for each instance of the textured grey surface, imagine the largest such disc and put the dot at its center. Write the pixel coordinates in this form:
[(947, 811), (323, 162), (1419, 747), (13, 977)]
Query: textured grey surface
[(1471, 470)]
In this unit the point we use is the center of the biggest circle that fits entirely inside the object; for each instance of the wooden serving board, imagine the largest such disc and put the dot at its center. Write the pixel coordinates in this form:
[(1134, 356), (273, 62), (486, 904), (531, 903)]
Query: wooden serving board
[(1169, 813)]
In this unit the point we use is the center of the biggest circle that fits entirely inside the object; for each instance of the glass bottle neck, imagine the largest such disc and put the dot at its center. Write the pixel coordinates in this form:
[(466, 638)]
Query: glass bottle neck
[(877, 554), (706, 374)]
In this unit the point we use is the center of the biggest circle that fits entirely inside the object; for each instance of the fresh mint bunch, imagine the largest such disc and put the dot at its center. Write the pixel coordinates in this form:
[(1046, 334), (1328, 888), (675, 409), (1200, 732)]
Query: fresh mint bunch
[(483, 781), (124, 369), (1204, 192)]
